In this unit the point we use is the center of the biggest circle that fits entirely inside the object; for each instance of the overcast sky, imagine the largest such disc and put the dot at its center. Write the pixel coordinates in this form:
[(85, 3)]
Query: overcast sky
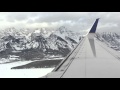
[(77, 21)]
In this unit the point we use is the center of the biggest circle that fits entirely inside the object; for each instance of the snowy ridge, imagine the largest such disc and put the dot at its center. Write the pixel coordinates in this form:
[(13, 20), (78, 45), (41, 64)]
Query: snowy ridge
[(112, 40), (37, 43)]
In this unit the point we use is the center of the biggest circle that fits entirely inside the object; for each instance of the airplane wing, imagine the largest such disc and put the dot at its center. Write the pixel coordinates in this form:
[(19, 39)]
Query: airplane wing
[(90, 59)]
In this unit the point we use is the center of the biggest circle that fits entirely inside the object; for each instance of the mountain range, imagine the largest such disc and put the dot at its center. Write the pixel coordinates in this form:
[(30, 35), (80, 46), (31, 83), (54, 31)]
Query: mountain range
[(38, 43), (111, 39)]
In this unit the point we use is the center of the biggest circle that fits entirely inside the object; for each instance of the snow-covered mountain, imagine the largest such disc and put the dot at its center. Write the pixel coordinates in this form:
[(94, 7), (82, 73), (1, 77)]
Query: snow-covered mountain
[(40, 41), (112, 40), (63, 32), (63, 40)]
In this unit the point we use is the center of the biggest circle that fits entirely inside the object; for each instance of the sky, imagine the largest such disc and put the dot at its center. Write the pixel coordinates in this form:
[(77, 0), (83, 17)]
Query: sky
[(77, 21)]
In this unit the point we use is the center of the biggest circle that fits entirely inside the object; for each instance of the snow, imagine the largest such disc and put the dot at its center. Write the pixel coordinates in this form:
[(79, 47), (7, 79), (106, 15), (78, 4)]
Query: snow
[(7, 72), (18, 48), (112, 40), (35, 44), (37, 31), (63, 32), (27, 43)]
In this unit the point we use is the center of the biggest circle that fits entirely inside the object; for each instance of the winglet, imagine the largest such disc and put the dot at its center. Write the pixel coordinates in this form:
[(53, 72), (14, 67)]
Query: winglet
[(93, 29)]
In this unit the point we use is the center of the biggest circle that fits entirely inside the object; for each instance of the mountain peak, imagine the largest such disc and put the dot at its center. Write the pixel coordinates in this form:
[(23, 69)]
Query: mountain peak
[(62, 29)]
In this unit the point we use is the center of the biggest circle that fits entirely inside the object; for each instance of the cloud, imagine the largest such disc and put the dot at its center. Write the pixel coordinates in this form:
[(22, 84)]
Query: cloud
[(77, 21), (30, 21), (16, 16), (58, 16), (1, 19), (20, 16)]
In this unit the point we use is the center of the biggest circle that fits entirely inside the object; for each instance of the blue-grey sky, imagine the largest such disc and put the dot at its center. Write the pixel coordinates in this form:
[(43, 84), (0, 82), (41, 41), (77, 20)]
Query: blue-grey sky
[(110, 21)]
